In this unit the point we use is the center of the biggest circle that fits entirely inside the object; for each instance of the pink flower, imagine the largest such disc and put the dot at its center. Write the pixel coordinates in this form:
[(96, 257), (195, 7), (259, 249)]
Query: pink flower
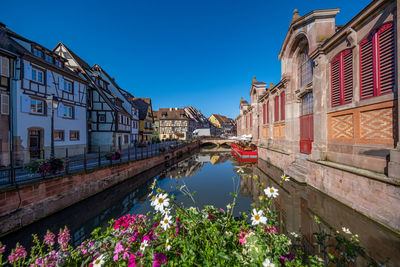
[(49, 238), (221, 210), (159, 259), (271, 229), (2, 248), (63, 238), (18, 253)]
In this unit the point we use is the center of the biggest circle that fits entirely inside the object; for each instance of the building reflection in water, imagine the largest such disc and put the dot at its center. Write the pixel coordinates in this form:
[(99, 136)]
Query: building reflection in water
[(298, 203)]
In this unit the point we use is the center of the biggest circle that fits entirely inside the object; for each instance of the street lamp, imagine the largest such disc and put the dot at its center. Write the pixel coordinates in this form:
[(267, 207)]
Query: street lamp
[(52, 103)]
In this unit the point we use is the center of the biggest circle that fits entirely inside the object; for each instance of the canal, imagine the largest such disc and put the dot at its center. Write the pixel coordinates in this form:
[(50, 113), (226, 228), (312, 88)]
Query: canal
[(210, 177)]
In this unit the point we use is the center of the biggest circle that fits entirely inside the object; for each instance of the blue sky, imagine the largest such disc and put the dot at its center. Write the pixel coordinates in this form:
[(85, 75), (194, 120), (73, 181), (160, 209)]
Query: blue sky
[(202, 53)]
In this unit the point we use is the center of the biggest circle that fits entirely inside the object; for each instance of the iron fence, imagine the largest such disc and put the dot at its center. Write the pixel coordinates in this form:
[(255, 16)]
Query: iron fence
[(19, 174)]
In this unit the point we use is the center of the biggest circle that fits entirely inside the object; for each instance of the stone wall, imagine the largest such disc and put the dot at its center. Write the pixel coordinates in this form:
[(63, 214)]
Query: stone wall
[(377, 197), (31, 202)]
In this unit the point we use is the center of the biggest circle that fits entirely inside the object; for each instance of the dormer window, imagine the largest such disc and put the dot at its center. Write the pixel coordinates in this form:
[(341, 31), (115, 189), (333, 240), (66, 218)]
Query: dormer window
[(49, 58), (58, 63), (37, 52)]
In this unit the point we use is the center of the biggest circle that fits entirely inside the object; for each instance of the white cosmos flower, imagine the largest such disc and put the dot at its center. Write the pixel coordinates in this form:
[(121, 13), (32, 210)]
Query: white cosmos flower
[(167, 245), (240, 170), (258, 217), (165, 222), (294, 234), (346, 230), (144, 244), (99, 261), (285, 178), (271, 192), (161, 202), (268, 263)]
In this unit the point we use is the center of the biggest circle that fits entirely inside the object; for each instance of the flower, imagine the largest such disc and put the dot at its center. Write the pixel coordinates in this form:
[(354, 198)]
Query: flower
[(258, 217), (159, 259), (63, 238), (2, 248), (319, 259), (49, 238), (18, 253), (144, 244), (240, 170), (161, 202), (294, 234), (285, 178), (271, 192), (165, 222), (255, 177), (268, 263), (99, 261), (346, 230), (167, 245)]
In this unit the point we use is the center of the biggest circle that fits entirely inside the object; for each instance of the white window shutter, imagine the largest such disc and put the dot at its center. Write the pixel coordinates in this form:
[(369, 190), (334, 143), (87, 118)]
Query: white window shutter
[(5, 106), (25, 103), (27, 70), (49, 78), (76, 113), (5, 66), (60, 83), (60, 110)]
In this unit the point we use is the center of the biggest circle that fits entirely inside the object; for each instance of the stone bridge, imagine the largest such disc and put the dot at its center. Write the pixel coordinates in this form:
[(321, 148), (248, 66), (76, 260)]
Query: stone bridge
[(217, 143)]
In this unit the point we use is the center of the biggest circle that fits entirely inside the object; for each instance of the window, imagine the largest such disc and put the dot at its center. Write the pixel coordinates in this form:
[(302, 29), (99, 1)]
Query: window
[(119, 119), (5, 104), (4, 67), (58, 63), (264, 113), (67, 112), (58, 135), (305, 68), (102, 118), (68, 86), (37, 52), (267, 111), (251, 120), (37, 75), (377, 63), (126, 139), (49, 58), (73, 135), (276, 106), (283, 106), (37, 106), (342, 78), (246, 122), (307, 104)]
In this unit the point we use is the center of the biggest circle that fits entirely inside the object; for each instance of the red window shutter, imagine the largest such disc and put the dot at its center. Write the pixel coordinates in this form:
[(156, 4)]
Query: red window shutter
[(276, 115), (282, 106), (367, 68), (267, 111), (335, 81), (386, 58), (347, 80), (251, 120), (264, 113)]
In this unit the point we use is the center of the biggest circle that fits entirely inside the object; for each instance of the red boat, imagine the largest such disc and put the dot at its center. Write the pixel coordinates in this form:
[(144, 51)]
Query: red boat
[(243, 154)]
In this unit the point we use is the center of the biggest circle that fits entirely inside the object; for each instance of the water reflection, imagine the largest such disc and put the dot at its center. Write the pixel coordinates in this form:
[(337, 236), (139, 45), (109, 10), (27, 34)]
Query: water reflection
[(210, 176)]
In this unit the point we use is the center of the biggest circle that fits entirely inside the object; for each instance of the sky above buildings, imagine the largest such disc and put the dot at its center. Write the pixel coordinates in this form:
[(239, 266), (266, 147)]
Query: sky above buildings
[(202, 53)]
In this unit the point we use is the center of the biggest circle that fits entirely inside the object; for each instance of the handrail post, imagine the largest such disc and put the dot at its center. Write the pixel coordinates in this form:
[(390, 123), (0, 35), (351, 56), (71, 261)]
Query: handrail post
[(84, 159), (99, 158), (66, 161)]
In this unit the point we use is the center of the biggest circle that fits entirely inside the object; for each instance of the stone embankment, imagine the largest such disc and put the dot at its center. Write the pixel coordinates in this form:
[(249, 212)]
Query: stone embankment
[(22, 205)]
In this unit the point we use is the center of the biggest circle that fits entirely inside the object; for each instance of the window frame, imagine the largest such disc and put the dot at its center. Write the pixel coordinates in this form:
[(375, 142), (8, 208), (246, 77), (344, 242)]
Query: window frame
[(276, 108), (101, 116), (36, 105), (68, 82), (36, 76), (72, 112), (77, 138), (63, 135)]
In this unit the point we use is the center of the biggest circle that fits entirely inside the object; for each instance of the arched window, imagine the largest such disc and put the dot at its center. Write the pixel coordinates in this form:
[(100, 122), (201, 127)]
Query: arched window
[(377, 62), (342, 78), (305, 68)]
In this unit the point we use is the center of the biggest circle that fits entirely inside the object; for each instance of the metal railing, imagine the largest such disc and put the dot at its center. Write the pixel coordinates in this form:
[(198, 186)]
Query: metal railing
[(18, 174)]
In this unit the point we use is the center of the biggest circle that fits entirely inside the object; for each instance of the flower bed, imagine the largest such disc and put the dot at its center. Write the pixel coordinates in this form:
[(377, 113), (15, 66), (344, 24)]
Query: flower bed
[(177, 236), (46, 167), (115, 155)]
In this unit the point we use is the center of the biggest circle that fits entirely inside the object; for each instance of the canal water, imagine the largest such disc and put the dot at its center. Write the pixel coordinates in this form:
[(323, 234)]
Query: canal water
[(212, 177)]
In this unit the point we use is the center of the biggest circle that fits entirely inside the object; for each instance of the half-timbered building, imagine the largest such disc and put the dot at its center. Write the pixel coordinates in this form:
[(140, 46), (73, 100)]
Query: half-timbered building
[(105, 109), (41, 73), (146, 119)]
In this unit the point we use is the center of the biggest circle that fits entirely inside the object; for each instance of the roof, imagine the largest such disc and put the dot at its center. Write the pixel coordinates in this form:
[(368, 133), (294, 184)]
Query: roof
[(155, 115), (222, 119), (172, 114), (195, 115), (143, 106)]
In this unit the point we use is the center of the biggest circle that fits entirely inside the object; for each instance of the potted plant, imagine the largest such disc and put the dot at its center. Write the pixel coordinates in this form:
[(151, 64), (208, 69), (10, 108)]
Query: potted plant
[(113, 155), (45, 167)]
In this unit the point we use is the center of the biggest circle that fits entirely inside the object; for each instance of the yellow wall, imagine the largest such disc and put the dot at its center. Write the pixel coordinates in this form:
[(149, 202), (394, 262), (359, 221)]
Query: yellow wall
[(214, 121)]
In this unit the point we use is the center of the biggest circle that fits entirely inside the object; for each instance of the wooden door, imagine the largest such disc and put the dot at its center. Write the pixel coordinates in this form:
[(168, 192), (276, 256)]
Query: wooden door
[(34, 144), (306, 124)]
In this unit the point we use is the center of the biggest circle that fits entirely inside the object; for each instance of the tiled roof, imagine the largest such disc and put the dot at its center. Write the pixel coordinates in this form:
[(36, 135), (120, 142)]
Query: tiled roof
[(143, 106), (172, 114), (223, 120)]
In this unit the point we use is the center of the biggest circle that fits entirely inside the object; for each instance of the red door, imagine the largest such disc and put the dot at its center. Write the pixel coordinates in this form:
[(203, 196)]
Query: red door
[(306, 124), (306, 133)]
